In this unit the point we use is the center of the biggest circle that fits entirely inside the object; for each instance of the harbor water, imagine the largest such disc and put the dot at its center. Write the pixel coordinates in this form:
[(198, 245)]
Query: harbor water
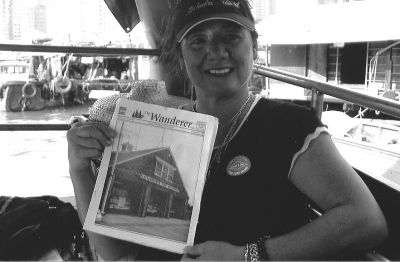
[(35, 163)]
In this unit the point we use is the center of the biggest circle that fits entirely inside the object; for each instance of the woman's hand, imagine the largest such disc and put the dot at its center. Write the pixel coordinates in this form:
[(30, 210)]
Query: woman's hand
[(87, 141), (214, 251)]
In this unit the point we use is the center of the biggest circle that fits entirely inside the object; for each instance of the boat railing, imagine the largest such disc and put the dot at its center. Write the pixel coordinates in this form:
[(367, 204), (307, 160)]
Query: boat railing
[(83, 50), (319, 89)]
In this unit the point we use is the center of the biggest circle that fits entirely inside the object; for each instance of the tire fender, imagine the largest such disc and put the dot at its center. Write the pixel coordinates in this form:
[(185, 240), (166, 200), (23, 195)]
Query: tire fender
[(24, 88), (59, 84)]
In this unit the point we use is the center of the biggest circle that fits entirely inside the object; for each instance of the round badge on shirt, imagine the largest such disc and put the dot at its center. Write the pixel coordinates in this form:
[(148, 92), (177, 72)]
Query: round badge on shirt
[(238, 166)]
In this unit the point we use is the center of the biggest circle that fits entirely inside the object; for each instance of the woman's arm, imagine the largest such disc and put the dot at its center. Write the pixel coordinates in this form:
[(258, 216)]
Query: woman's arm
[(87, 141), (352, 220)]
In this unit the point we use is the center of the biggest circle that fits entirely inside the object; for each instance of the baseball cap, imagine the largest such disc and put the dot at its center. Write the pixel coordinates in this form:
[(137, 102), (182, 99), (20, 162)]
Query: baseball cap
[(194, 12)]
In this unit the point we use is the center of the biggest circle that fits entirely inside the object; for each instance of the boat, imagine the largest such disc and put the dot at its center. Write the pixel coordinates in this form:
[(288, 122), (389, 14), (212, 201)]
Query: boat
[(62, 80)]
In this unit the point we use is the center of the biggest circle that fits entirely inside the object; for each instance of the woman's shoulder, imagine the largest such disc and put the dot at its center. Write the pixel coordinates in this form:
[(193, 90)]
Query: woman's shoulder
[(282, 109), (286, 118)]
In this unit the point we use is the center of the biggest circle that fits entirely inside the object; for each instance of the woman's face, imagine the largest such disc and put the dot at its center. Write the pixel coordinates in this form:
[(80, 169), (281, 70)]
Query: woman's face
[(218, 57)]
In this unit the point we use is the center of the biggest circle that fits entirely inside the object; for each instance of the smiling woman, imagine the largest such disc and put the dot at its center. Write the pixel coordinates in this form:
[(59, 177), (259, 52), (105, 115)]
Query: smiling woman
[(227, 64), (263, 172), (216, 44), (271, 160)]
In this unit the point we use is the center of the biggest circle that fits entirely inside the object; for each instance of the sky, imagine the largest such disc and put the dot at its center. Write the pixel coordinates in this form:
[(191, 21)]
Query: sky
[(75, 20)]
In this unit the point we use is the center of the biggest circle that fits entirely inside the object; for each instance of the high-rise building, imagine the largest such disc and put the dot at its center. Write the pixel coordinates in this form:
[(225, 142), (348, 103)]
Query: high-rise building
[(4, 19), (21, 19), (280, 7), (40, 17), (272, 7), (325, 2), (92, 16), (66, 22), (260, 9)]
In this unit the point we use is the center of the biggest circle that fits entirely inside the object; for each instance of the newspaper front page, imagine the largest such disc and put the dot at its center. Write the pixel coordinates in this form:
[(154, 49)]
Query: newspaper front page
[(151, 178)]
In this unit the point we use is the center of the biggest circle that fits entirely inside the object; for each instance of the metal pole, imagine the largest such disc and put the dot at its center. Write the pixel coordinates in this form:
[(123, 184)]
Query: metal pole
[(384, 105), (101, 51), (317, 102), (366, 67), (337, 65), (34, 127)]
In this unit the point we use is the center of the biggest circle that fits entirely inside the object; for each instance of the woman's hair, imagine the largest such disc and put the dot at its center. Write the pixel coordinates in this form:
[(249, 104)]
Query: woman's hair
[(171, 49)]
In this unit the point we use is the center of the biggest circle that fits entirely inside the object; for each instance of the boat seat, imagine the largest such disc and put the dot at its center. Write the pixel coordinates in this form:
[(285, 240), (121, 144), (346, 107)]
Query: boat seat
[(392, 94)]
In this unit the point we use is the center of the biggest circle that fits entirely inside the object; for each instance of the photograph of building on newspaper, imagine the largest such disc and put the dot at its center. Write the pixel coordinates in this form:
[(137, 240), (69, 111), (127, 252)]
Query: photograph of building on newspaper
[(150, 181)]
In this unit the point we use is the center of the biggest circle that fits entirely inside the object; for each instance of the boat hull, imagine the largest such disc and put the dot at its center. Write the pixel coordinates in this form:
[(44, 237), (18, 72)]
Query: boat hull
[(14, 101)]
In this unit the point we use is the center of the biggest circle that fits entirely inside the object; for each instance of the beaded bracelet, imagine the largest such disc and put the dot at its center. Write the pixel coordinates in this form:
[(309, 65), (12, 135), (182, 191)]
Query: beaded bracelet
[(251, 252), (256, 251)]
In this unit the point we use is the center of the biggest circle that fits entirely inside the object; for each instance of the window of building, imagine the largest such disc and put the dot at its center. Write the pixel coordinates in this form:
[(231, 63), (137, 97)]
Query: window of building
[(353, 63), (347, 64), (164, 170), (170, 175), (158, 170)]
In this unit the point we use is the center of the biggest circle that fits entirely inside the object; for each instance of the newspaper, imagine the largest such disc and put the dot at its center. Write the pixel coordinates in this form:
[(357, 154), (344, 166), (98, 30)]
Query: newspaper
[(151, 178)]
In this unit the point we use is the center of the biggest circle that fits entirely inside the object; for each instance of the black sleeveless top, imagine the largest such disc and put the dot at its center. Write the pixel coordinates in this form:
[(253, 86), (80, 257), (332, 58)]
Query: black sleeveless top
[(240, 208)]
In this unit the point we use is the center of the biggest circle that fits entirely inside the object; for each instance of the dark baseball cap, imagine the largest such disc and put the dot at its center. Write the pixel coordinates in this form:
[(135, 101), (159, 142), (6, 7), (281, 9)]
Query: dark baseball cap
[(194, 12)]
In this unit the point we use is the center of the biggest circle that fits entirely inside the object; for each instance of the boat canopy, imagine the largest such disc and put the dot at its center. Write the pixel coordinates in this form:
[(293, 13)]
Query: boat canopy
[(357, 21), (14, 63), (125, 12)]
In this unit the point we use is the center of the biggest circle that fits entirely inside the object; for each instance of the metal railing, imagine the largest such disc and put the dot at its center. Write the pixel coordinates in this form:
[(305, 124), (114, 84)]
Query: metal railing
[(34, 127), (101, 51), (319, 88)]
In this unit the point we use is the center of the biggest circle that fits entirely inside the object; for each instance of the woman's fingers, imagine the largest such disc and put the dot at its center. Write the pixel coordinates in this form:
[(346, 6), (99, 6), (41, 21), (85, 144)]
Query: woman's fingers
[(87, 147), (213, 251), (93, 143), (97, 131), (194, 251), (185, 257), (87, 141)]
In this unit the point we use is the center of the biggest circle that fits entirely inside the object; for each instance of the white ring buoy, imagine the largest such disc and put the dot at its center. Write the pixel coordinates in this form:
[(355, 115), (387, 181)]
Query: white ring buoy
[(62, 85), (28, 84)]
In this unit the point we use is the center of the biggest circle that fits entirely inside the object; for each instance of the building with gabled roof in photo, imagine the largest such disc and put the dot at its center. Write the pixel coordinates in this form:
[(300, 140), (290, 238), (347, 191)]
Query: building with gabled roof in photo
[(145, 183)]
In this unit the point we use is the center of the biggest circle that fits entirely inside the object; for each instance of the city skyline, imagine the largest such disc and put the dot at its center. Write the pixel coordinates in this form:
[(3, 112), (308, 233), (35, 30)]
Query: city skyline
[(24, 21), (28, 21)]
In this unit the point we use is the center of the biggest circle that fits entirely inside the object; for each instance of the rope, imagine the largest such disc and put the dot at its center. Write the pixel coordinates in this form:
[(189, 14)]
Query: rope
[(67, 64), (93, 73)]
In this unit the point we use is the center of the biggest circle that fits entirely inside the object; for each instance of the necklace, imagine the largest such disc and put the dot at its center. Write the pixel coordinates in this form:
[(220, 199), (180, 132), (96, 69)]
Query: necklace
[(194, 109), (220, 150)]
